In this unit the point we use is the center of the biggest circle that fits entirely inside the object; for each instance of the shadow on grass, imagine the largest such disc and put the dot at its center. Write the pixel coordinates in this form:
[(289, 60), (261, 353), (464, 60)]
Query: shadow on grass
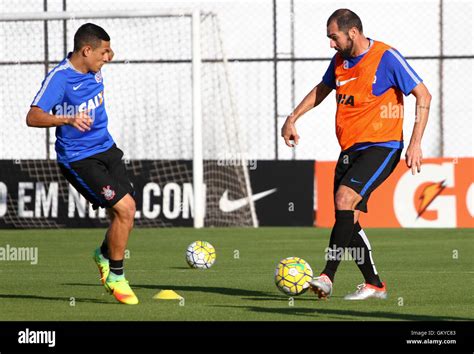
[(251, 295), (203, 289), (206, 289), (347, 314), (180, 268), (53, 298), (281, 297)]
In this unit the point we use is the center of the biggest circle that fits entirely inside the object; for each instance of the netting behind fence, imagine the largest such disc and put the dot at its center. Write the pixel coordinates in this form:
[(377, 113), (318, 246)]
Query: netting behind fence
[(148, 98), (278, 51)]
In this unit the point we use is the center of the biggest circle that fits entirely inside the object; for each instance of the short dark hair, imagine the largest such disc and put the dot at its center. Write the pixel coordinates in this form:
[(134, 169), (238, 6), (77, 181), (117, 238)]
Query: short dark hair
[(89, 34), (345, 19)]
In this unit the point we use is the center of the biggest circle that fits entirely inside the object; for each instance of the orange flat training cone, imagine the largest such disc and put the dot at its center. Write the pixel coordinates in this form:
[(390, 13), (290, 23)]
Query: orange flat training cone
[(167, 295)]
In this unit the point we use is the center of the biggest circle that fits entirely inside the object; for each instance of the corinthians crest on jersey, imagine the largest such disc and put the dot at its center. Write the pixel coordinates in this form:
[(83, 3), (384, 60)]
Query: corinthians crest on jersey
[(98, 77), (108, 193)]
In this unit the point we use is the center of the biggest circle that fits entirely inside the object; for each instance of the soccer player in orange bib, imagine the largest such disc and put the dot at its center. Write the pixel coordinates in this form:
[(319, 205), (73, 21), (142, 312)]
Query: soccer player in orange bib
[(370, 79)]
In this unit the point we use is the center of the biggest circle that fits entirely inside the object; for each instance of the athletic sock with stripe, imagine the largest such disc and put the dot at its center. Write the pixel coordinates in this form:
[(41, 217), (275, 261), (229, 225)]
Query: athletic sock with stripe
[(361, 252), (116, 267)]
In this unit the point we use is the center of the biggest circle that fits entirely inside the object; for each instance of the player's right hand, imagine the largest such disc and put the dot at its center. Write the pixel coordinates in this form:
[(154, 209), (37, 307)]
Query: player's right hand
[(81, 121), (288, 132)]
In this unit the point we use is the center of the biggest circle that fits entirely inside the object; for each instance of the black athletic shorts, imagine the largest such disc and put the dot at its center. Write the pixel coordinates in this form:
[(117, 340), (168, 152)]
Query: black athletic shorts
[(101, 178), (365, 170)]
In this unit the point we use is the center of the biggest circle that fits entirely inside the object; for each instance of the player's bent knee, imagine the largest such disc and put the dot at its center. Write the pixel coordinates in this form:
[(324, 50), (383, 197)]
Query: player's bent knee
[(343, 202), (346, 199), (125, 209)]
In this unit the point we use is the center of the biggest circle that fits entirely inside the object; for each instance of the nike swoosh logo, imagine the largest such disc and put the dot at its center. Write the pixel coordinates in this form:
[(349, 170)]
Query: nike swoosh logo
[(228, 206), (355, 181), (76, 87), (342, 83)]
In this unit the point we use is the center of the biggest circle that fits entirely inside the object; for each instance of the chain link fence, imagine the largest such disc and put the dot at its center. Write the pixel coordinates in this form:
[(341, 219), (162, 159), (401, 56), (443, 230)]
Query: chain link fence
[(277, 51)]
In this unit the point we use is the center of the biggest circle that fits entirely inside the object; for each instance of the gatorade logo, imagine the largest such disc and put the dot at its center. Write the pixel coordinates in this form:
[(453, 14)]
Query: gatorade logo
[(442, 195), (429, 194), (418, 200), (437, 197)]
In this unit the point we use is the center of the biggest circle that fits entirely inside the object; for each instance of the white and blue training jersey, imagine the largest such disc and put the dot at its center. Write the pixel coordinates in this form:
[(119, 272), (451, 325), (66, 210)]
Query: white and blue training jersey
[(393, 71), (66, 91)]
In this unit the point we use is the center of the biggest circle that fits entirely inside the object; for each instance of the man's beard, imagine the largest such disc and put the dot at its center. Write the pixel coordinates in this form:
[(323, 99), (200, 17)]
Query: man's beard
[(346, 53)]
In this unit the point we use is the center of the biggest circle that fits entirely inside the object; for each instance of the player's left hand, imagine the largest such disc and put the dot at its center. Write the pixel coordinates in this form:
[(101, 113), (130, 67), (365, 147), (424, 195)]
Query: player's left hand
[(288, 132), (413, 158)]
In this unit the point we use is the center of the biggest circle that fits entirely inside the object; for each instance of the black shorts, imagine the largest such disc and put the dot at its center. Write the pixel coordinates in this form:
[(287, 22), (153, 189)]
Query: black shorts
[(365, 170), (102, 178)]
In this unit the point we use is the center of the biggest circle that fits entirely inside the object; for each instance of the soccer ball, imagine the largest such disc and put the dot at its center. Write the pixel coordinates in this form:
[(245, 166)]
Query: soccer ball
[(200, 254), (292, 276)]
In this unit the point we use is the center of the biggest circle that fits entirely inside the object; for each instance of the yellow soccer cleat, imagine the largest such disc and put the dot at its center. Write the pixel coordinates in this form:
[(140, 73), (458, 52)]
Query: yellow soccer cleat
[(121, 291), (102, 263)]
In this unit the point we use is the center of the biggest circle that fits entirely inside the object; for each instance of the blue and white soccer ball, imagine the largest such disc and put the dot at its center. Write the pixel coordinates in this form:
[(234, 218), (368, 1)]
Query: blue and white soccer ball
[(200, 254)]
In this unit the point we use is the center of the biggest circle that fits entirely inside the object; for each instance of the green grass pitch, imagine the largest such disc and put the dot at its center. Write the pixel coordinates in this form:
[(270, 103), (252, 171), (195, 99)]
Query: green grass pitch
[(429, 276)]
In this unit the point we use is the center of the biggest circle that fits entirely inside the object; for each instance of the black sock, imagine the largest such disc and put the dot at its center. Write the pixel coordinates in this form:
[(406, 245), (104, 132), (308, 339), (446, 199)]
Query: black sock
[(104, 249), (362, 254), (341, 236), (116, 267)]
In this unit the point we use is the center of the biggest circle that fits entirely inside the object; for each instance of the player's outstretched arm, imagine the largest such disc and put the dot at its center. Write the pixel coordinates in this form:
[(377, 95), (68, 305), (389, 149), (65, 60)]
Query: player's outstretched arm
[(312, 99), (38, 118), (413, 154)]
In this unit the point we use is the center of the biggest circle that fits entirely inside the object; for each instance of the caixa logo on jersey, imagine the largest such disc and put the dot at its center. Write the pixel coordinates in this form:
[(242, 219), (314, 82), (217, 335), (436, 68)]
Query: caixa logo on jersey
[(90, 105)]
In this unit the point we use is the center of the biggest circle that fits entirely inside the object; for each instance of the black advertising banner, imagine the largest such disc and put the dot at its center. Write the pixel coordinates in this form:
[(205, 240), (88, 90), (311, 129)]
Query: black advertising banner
[(34, 194), (283, 192)]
